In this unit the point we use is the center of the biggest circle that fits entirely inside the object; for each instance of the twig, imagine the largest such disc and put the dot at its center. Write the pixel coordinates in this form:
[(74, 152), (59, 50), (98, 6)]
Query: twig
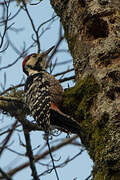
[(89, 177), (21, 55), (45, 23), (47, 141), (29, 153), (11, 88), (5, 22), (34, 4), (29, 125), (61, 37), (38, 157), (33, 26), (2, 3), (8, 137), (13, 45), (11, 64), (5, 175), (54, 51), (20, 154), (64, 72), (67, 79), (5, 48), (64, 62), (15, 14), (62, 164)]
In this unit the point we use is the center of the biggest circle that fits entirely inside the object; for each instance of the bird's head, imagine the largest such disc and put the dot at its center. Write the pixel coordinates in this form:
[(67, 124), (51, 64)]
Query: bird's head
[(35, 63)]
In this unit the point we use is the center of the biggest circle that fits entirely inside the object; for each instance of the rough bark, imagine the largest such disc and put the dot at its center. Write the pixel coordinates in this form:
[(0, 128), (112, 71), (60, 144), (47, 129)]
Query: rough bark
[(92, 30)]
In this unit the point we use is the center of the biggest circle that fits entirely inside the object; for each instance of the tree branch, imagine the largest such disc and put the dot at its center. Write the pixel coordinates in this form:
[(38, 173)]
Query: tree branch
[(29, 153), (38, 157), (8, 138)]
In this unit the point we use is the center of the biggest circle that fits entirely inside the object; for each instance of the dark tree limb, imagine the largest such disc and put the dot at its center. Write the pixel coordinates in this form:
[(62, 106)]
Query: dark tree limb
[(8, 138), (29, 153)]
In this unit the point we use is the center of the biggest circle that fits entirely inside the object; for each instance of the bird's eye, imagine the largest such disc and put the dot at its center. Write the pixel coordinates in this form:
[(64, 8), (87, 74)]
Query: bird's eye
[(34, 55)]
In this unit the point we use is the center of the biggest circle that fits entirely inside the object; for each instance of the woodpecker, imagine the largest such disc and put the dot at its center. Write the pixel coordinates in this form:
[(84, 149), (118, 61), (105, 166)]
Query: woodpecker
[(43, 94)]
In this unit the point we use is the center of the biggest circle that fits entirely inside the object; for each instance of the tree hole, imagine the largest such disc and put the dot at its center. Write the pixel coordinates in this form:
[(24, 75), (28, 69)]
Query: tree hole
[(97, 28)]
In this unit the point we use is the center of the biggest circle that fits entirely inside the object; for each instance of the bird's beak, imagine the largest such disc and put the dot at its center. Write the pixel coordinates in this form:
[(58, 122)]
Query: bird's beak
[(48, 51)]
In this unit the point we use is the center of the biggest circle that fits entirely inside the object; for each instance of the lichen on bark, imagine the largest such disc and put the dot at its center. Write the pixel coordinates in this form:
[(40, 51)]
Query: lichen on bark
[(78, 102)]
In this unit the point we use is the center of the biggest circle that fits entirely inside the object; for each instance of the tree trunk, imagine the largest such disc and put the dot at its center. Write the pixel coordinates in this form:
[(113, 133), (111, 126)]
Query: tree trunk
[(92, 30)]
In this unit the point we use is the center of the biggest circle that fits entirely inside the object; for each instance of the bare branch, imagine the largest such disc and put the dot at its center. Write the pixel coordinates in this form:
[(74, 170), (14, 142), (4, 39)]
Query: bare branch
[(55, 49), (8, 137), (29, 153), (4, 175), (62, 164), (5, 22), (54, 167), (64, 72), (38, 157), (11, 88), (15, 14), (3, 3), (5, 48), (20, 154), (21, 55), (45, 23), (67, 79), (33, 26), (34, 4), (63, 62)]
